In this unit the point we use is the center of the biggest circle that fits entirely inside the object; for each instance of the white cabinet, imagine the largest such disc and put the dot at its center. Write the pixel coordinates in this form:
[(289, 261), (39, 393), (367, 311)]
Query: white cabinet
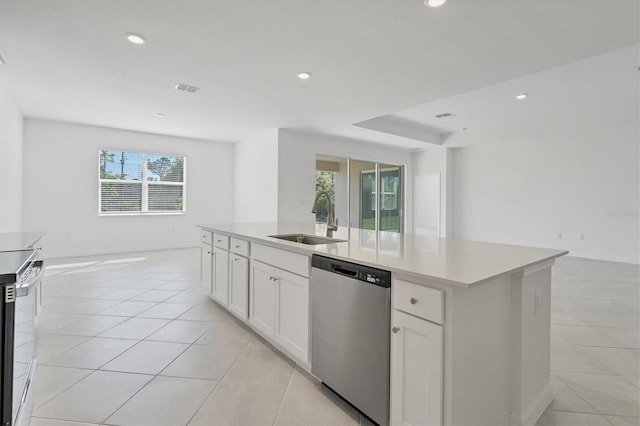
[(238, 285), (292, 313), (221, 241), (262, 297), (206, 266), (220, 282), (239, 246), (416, 370), (270, 291), (224, 273), (279, 307)]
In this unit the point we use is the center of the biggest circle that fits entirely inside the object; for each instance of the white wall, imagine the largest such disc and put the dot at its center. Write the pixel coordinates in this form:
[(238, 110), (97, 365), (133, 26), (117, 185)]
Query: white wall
[(297, 169), (438, 161), (61, 189), (11, 140), (527, 192), (256, 179)]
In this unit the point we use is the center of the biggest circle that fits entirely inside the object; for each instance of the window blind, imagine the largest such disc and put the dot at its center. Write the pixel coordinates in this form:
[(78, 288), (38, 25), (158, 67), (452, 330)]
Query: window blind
[(135, 182)]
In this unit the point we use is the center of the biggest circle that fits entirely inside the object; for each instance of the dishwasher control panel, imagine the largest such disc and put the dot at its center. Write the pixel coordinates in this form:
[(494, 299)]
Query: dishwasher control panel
[(372, 278), (353, 270)]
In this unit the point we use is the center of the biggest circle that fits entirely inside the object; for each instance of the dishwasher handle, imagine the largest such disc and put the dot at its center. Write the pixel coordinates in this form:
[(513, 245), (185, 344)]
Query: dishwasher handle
[(340, 269)]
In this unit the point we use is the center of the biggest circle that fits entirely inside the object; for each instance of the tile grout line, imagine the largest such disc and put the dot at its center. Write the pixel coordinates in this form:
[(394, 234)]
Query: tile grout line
[(284, 396), (581, 397), (93, 371)]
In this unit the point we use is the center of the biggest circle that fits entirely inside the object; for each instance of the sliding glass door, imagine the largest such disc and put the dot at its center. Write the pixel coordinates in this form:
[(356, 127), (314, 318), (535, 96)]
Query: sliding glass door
[(388, 184), (390, 204), (356, 185)]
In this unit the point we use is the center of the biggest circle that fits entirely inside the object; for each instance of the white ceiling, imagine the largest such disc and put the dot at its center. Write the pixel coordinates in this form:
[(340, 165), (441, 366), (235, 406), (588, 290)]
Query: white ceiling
[(391, 60)]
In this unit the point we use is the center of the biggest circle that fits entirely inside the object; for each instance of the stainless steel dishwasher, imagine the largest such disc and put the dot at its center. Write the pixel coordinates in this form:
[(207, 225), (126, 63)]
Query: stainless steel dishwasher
[(350, 320)]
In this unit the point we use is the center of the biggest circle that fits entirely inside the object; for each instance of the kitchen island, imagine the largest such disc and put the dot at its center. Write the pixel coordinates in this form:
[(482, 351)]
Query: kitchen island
[(470, 335)]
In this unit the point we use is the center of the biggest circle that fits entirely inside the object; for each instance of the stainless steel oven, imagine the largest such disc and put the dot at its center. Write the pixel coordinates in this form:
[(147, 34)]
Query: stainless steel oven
[(18, 314)]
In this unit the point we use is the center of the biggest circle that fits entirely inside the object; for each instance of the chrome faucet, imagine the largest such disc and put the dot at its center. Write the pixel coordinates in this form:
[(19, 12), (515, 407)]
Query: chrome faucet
[(330, 225)]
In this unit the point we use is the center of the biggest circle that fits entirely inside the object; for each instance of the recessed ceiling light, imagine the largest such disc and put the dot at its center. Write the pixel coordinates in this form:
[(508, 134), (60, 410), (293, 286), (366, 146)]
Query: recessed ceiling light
[(159, 114), (434, 3), (304, 75), (522, 96), (135, 38)]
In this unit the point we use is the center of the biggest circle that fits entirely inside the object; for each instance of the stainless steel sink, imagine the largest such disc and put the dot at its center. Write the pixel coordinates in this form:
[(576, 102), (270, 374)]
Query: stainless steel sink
[(307, 239)]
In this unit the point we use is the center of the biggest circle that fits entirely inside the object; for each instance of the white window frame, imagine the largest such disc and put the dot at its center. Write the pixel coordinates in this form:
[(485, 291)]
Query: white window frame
[(144, 206)]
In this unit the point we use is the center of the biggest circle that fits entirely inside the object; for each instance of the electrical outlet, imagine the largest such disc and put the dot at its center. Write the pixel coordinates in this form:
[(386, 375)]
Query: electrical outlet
[(559, 236), (536, 303), (581, 237)]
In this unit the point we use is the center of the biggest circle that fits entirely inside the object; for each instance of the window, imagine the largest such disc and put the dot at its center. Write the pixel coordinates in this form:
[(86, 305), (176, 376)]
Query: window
[(325, 181), (135, 182)]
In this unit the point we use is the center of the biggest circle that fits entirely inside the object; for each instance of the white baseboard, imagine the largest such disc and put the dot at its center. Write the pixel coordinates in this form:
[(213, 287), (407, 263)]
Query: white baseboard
[(59, 255), (535, 409)]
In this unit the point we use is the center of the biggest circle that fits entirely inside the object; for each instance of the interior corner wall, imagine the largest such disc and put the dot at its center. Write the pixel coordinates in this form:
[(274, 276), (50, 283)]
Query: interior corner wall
[(11, 148), (256, 179), (297, 169), (577, 191), (61, 189)]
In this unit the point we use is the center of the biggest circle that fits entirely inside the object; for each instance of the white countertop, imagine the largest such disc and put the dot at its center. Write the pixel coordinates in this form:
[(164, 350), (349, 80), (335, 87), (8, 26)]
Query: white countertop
[(458, 262), (11, 241)]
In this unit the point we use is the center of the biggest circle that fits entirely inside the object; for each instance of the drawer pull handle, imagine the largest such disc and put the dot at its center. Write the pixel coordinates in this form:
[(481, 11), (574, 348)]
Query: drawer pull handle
[(237, 245), (413, 300), (219, 241), (395, 329)]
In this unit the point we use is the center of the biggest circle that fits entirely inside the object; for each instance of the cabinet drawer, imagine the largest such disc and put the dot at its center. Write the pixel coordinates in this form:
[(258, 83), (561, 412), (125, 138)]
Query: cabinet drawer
[(221, 241), (240, 246), (206, 237), (418, 300), (292, 262)]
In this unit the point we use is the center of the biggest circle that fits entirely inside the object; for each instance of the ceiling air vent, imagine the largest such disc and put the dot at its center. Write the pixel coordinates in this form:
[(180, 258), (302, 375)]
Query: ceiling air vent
[(445, 115), (186, 88)]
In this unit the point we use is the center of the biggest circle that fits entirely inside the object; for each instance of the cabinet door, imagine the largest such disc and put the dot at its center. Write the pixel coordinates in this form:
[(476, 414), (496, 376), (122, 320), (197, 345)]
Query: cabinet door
[(262, 297), (238, 284), (220, 288), (206, 267), (292, 314), (416, 371)]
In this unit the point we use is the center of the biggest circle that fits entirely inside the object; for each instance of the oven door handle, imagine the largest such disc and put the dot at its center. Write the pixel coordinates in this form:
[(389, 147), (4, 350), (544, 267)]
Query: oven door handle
[(23, 290)]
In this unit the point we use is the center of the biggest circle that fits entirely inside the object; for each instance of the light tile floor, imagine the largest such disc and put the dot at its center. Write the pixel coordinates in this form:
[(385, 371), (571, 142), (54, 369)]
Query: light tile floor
[(595, 343), (131, 339)]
